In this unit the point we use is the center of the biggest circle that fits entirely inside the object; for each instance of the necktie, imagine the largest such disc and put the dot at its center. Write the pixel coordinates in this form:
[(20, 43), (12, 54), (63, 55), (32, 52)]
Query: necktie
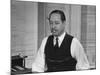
[(56, 45)]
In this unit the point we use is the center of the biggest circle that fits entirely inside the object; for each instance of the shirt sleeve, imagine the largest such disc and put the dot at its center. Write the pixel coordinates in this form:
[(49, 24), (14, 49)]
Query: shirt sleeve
[(78, 53), (39, 62)]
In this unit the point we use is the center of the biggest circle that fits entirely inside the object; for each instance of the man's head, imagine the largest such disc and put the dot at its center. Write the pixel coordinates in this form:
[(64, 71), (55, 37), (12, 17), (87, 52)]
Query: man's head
[(57, 22)]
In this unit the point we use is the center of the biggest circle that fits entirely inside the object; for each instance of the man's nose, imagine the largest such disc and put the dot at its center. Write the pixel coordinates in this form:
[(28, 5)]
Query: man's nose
[(53, 26)]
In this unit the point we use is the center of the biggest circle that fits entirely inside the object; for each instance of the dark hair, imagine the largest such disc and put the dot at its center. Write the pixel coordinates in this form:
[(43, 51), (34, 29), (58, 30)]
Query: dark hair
[(58, 12)]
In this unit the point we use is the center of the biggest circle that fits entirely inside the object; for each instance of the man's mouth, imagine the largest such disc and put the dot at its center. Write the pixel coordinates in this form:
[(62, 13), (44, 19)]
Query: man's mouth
[(53, 30)]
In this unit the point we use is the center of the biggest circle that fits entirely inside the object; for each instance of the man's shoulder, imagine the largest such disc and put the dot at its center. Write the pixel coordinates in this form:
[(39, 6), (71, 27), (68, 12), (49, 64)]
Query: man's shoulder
[(76, 41), (69, 35), (45, 38), (48, 36)]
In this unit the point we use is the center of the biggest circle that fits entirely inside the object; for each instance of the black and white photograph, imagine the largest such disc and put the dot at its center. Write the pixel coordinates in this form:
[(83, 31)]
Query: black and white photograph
[(49, 37)]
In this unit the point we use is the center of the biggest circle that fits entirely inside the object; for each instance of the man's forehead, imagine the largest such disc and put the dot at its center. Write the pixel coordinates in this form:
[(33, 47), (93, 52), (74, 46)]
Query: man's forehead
[(55, 16)]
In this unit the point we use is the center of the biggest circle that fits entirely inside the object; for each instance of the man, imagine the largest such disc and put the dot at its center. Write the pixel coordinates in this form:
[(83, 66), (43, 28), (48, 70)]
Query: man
[(59, 51)]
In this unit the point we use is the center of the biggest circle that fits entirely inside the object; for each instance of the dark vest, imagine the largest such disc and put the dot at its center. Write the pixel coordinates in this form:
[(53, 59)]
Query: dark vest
[(59, 59)]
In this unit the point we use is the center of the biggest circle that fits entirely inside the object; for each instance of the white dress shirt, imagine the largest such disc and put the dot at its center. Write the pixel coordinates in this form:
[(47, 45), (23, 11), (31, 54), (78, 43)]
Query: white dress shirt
[(77, 52)]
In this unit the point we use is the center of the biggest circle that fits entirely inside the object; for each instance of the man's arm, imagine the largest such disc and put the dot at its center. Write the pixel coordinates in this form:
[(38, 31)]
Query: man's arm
[(78, 53), (39, 62)]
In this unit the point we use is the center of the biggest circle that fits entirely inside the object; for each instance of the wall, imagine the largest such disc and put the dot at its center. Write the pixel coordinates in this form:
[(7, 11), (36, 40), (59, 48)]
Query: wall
[(75, 21), (41, 22), (88, 32), (24, 23)]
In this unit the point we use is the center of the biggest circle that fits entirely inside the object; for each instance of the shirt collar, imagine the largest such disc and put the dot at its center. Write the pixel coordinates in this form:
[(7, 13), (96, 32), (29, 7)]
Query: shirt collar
[(61, 37)]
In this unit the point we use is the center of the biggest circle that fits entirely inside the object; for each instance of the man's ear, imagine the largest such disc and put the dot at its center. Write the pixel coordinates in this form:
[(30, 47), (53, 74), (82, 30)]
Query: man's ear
[(64, 23)]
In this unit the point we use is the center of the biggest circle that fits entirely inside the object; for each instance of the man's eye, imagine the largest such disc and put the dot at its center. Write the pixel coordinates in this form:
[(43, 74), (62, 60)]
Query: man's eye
[(51, 23), (56, 22)]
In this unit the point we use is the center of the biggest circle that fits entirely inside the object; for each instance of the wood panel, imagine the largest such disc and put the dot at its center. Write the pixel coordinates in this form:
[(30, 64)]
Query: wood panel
[(75, 21), (24, 23), (88, 33)]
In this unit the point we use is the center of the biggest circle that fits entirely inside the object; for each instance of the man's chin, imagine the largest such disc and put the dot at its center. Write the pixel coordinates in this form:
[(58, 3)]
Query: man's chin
[(54, 34)]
